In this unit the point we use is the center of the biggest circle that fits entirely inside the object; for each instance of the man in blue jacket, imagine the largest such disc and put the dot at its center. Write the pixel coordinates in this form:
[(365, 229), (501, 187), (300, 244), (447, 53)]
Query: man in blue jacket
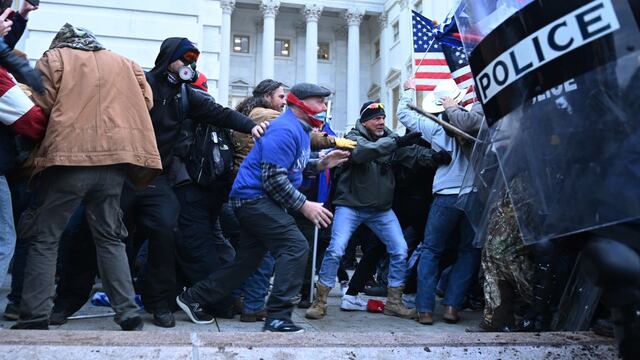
[(263, 196)]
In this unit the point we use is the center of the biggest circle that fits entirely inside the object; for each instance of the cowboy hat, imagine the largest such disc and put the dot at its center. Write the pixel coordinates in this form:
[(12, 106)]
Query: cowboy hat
[(433, 101)]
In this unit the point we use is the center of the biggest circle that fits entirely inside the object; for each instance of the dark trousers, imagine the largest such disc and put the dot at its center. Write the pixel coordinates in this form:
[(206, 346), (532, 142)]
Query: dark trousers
[(154, 210), (77, 266), (198, 250), (264, 226), (60, 192), (196, 245)]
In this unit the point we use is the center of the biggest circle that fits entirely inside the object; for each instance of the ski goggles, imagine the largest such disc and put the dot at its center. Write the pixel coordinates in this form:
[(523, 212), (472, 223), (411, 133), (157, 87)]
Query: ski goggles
[(190, 56), (373, 106)]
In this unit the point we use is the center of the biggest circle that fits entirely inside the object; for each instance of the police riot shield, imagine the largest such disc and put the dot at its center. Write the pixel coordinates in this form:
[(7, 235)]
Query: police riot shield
[(481, 184), (557, 81)]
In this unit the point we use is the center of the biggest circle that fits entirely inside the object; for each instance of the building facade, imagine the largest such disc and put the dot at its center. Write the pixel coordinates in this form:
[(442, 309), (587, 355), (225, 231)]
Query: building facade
[(360, 49)]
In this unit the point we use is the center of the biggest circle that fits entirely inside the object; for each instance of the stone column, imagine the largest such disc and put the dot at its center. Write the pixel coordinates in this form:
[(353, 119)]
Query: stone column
[(406, 43), (225, 51), (353, 18), (384, 63), (269, 10), (311, 14)]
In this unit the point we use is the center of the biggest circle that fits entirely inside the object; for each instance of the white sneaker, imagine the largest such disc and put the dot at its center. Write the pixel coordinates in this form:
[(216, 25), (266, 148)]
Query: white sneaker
[(344, 286), (409, 300), (353, 303)]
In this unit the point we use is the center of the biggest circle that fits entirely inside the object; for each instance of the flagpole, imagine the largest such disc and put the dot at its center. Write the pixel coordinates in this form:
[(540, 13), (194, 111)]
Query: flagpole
[(424, 56), (434, 38)]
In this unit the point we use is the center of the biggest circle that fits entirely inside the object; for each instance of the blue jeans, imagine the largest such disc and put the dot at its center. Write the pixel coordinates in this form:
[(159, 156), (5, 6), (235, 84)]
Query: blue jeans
[(444, 219), (386, 227), (256, 287), (7, 228)]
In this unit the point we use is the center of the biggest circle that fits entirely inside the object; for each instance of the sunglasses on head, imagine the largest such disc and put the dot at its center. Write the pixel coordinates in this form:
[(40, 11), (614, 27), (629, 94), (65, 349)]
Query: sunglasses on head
[(373, 106), (190, 56)]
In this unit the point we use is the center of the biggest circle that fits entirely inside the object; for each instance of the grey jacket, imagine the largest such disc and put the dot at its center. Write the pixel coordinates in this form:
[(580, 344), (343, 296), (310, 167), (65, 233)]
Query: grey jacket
[(467, 121), (367, 180)]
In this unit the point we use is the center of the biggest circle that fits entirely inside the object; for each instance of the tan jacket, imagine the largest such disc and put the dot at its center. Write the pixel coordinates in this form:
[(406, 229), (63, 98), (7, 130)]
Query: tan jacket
[(243, 143), (98, 106)]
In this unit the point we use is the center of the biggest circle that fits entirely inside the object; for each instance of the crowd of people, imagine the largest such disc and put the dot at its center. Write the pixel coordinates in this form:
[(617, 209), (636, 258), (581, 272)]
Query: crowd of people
[(143, 179)]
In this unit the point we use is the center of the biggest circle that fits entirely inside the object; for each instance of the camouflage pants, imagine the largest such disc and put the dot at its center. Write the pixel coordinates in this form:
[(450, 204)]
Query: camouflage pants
[(507, 267)]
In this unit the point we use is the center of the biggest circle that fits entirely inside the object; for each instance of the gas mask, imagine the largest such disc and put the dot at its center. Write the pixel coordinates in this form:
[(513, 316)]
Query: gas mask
[(188, 73), (313, 113)]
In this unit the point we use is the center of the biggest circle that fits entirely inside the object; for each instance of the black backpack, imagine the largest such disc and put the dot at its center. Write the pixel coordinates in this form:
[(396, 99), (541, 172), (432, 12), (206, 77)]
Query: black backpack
[(209, 158)]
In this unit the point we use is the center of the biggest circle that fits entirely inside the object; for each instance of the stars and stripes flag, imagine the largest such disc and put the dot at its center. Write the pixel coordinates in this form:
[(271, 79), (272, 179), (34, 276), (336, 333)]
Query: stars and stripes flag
[(438, 54)]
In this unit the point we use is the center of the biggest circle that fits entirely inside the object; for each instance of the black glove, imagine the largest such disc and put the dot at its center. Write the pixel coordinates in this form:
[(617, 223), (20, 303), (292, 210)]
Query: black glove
[(442, 157), (409, 139), (20, 69)]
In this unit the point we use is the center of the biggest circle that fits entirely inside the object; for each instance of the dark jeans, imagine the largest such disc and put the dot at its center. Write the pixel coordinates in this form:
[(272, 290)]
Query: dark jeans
[(264, 226), (444, 219), (155, 211), (60, 192)]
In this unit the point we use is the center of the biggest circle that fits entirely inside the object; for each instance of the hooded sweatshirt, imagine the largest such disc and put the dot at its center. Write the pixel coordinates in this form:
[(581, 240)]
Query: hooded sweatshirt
[(201, 107)]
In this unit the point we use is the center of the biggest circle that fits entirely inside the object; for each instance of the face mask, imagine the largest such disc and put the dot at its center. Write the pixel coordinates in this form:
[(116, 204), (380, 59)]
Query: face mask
[(322, 116), (187, 73), (311, 112)]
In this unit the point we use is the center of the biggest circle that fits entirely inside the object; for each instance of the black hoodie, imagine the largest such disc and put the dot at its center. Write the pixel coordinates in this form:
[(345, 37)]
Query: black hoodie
[(202, 107)]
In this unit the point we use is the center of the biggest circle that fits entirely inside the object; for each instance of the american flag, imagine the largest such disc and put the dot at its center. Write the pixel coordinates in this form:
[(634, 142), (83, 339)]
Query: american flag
[(445, 57)]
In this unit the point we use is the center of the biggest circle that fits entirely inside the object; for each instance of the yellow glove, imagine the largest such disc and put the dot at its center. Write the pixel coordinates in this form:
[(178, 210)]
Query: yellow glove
[(342, 143)]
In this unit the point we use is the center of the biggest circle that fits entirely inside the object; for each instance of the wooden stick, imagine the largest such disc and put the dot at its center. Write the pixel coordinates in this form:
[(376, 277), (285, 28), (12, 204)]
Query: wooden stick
[(444, 124)]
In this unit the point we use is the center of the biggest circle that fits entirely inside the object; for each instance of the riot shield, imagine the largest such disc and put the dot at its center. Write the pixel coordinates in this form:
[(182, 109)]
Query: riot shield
[(557, 80), (483, 181)]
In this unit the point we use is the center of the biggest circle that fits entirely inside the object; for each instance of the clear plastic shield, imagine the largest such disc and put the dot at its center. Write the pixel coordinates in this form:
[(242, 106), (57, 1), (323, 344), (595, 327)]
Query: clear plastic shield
[(565, 132), (482, 182)]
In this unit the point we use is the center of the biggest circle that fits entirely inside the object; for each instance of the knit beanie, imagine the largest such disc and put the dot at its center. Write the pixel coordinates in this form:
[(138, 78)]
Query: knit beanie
[(184, 46), (368, 112)]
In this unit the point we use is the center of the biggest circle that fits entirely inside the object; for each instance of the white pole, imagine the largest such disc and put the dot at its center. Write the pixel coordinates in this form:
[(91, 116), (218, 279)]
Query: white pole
[(313, 263)]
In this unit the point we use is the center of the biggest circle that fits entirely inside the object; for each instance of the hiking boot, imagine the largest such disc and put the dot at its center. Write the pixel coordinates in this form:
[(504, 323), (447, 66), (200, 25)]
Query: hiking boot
[(31, 325), (425, 318), (254, 316), (193, 309), (319, 307), (132, 324), (353, 303), (12, 311), (395, 306), (280, 325), (450, 315)]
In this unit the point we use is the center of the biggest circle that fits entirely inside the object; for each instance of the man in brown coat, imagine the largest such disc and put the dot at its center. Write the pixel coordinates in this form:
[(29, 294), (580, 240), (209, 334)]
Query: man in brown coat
[(99, 132)]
